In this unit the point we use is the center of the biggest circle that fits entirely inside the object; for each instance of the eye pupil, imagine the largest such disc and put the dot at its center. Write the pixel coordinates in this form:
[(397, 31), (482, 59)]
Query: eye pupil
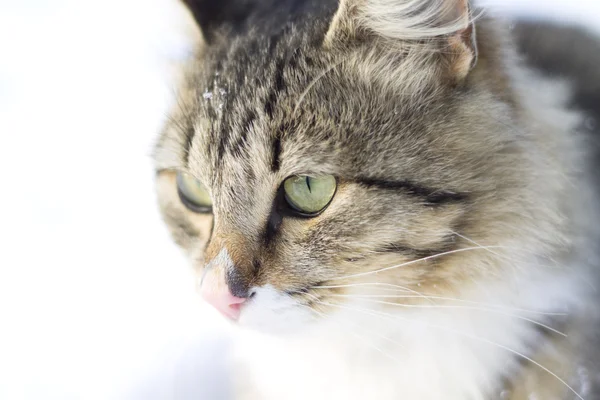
[(309, 196)]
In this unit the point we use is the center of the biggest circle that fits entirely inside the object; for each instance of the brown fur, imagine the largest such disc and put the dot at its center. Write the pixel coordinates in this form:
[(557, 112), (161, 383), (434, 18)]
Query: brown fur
[(431, 156)]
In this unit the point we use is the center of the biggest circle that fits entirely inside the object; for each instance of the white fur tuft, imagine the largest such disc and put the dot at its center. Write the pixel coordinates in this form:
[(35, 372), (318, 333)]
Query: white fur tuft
[(414, 19)]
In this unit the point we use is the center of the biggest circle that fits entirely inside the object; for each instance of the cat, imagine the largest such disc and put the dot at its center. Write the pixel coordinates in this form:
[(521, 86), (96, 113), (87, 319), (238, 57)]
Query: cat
[(389, 199)]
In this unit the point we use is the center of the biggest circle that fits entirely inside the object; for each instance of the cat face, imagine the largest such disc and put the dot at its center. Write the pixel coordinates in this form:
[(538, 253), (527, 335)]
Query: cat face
[(322, 163)]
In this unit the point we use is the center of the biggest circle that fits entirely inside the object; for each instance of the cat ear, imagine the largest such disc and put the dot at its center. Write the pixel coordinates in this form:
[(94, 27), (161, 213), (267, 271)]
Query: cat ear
[(343, 26), (462, 44), (213, 14), (448, 24)]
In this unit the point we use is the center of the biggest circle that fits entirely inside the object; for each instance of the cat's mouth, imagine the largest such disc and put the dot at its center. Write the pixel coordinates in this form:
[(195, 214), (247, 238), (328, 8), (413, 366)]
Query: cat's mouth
[(262, 308), (273, 311)]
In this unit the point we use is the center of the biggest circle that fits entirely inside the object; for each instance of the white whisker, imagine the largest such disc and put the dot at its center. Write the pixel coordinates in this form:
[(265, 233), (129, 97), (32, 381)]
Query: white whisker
[(503, 255), (433, 297), (413, 262), (419, 294), (312, 83), (392, 286), (512, 262), (473, 337), (444, 306)]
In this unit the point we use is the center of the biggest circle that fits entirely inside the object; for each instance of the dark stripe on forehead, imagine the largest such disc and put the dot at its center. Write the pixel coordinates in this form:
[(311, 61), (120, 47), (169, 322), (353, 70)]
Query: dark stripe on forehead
[(278, 86), (277, 145), (289, 58), (232, 134), (276, 156), (239, 144), (430, 195), (189, 138)]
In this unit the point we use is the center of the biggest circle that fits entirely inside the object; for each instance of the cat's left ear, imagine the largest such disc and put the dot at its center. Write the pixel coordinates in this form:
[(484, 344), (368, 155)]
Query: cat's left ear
[(211, 15), (449, 24)]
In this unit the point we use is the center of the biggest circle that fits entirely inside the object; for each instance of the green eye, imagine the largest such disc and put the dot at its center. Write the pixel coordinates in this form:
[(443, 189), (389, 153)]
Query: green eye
[(309, 195), (193, 193)]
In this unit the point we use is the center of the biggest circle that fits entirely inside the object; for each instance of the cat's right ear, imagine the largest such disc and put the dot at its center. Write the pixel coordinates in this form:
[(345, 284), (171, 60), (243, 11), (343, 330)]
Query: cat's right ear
[(212, 15), (448, 25)]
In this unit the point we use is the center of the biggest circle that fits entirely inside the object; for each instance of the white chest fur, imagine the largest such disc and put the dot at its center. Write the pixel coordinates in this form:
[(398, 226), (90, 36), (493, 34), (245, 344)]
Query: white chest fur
[(447, 350)]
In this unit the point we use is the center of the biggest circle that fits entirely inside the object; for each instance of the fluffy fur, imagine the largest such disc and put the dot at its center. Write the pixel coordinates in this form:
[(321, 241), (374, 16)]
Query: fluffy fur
[(401, 20), (458, 257)]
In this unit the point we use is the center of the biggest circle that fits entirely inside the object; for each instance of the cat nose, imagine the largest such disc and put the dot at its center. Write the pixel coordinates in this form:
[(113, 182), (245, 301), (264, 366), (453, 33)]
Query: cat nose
[(220, 297), (226, 303)]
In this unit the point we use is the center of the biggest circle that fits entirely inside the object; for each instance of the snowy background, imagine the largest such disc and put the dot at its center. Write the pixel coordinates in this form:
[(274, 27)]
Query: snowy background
[(95, 301)]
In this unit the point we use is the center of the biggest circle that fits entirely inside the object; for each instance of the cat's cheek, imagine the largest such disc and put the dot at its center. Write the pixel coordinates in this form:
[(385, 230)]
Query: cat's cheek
[(189, 229), (271, 311)]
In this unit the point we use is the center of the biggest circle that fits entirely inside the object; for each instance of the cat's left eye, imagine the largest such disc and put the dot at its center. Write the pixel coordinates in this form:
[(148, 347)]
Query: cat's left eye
[(193, 194)]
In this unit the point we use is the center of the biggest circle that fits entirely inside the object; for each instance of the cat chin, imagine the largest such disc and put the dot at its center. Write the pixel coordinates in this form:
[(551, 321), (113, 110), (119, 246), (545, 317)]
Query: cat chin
[(273, 312)]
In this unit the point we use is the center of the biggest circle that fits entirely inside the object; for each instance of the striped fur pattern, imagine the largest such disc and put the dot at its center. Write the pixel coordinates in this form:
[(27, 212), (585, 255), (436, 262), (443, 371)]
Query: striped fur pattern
[(458, 258)]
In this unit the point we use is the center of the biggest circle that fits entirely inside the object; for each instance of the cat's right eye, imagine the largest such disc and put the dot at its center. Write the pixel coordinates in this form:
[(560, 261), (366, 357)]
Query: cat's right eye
[(193, 194), (309, 196)]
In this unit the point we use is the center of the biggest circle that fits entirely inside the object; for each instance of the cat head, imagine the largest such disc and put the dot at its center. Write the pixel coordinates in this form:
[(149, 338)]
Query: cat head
[(321, 154)]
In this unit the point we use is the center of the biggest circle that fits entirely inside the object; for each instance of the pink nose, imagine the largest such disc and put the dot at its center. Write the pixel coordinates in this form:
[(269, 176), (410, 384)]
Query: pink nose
[(222, 299)]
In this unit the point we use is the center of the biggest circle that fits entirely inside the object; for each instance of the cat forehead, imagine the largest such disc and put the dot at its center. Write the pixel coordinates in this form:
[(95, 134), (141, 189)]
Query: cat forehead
[(248, 99), (254, 104), (291, 93)]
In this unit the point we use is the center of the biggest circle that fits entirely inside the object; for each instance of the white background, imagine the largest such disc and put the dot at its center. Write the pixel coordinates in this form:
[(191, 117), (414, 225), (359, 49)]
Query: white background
[(95, 301)]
